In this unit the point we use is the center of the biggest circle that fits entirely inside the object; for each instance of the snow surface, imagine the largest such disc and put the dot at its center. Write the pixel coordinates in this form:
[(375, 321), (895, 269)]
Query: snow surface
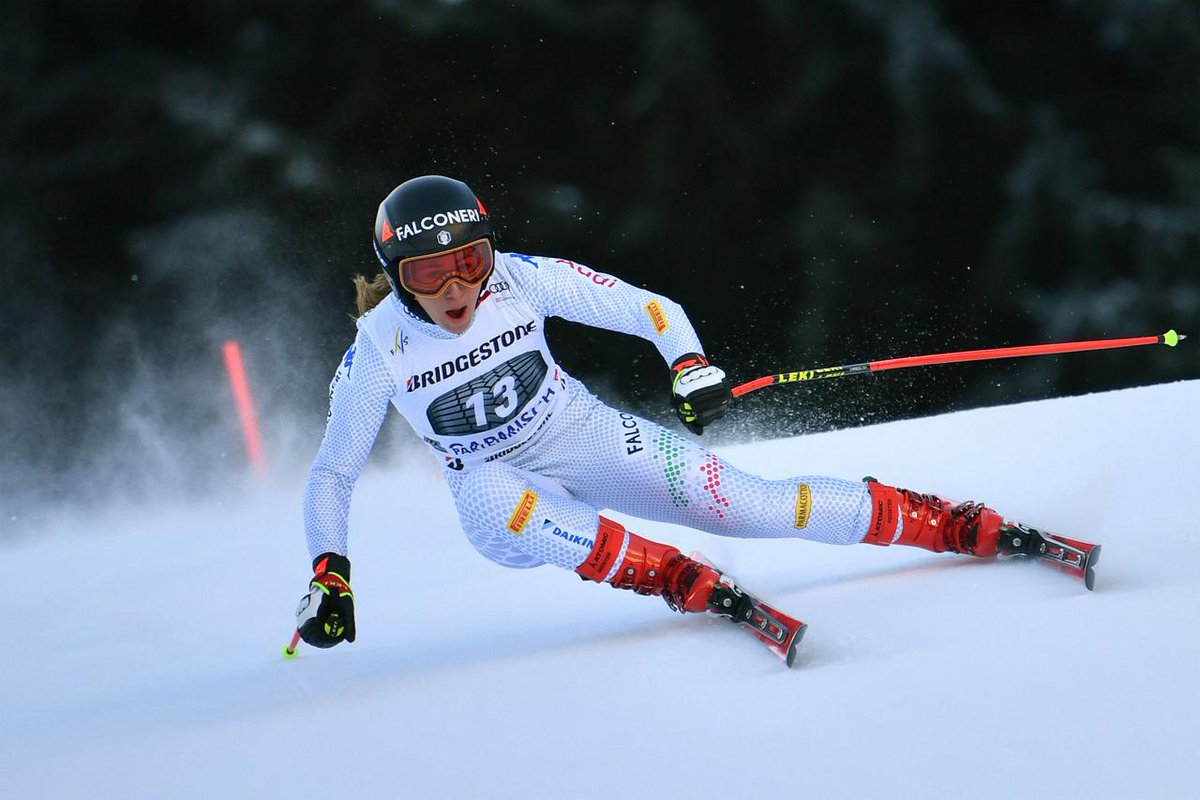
[(142, 645)]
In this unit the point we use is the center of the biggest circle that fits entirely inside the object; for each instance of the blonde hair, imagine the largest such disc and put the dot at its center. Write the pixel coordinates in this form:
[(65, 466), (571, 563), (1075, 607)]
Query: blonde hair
[(370, 293)]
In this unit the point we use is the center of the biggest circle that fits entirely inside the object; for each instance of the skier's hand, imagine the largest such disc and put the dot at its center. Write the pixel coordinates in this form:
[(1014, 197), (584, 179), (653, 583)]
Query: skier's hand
[(325, 615), (699, 391)]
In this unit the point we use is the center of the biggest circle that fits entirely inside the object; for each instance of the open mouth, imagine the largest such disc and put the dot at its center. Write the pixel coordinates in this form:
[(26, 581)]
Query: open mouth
[(457, 314)]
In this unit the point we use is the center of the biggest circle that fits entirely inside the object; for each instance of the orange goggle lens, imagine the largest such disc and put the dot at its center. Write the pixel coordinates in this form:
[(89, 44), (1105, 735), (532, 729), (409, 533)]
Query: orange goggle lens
[(428, 276)]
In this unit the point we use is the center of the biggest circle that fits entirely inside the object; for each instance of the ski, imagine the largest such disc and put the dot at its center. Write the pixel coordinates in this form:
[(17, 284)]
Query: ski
[(779, 632), (1069, 555)]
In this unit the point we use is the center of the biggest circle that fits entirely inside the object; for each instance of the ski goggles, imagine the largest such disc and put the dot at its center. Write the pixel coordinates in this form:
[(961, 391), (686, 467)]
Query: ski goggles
[(428, 276)]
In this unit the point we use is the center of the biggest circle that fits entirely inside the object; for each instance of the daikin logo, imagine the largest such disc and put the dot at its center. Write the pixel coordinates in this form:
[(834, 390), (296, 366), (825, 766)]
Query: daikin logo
[(428, 223), (551, 529)]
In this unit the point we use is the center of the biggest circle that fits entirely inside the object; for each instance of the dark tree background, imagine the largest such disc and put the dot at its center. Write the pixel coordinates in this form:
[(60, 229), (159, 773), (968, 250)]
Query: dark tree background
[(817, 183)]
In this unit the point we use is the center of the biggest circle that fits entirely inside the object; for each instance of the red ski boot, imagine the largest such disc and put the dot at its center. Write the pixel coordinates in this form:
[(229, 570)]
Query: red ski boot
[(925, 520), (651, 568)]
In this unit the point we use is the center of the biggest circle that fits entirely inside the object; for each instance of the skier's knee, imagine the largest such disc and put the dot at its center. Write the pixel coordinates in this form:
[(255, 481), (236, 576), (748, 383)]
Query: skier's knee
[(494, 505)]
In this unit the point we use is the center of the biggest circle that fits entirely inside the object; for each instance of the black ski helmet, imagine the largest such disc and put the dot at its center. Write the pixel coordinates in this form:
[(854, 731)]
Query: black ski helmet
[(427, 215)]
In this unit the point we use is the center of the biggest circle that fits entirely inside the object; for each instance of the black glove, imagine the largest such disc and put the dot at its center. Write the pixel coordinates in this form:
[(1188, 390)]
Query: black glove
[(325, 615), (699, 391)]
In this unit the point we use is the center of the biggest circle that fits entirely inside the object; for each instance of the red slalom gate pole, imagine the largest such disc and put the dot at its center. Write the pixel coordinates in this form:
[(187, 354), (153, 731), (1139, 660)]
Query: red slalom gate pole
[(1170, 338), (244, 404)]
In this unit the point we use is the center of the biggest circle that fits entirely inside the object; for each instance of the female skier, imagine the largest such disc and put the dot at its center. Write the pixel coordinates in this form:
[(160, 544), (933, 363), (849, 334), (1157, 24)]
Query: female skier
[(452, 334)]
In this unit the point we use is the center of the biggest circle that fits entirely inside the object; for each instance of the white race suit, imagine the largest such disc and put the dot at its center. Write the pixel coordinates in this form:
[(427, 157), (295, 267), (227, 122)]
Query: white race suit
[(530, 455)]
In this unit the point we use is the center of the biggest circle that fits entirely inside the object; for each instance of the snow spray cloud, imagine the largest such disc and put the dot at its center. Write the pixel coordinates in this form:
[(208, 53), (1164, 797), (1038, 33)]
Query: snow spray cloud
[(151, 416)]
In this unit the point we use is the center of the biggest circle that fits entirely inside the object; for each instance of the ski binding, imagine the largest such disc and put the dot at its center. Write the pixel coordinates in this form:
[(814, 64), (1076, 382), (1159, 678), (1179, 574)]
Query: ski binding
[(1069, 555), (779, 632)]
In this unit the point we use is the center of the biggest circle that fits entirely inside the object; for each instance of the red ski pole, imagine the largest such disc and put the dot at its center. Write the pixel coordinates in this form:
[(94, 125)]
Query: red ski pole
[(1170, 338), (290, 650)]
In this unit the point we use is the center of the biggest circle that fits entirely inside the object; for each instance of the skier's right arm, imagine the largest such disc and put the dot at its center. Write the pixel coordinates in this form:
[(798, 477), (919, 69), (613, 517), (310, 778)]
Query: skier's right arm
[(358, 401)]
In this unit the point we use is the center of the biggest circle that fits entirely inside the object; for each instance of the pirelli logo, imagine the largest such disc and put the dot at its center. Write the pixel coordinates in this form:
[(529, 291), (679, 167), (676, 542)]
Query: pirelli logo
[(522, 513), (803, 504), (657, 317)]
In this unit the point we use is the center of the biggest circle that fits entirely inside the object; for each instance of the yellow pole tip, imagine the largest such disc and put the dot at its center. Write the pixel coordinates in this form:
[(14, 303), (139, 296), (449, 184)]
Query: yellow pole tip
[(1171, 338), (288, 652)]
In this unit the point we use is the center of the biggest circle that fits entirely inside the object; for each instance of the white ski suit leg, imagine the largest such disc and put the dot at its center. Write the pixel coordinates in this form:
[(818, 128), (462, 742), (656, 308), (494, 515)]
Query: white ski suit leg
[(611, 459), (543, 504), (519, 519)]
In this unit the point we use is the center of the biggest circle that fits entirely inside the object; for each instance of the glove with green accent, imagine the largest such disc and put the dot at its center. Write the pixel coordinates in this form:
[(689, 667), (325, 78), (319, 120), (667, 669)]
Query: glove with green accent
[(325, 615), (699, 391)]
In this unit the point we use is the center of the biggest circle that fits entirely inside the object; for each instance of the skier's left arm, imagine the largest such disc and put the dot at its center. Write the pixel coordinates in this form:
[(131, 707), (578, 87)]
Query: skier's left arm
[(562, 288)]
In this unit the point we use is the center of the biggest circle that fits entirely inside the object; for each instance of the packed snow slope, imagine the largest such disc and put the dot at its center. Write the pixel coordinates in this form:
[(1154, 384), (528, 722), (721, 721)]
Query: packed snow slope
[(142, 646)]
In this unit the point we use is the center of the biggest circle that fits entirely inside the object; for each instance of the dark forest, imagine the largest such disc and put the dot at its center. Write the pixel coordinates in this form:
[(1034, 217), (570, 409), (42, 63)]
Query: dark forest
[(818, 184)]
